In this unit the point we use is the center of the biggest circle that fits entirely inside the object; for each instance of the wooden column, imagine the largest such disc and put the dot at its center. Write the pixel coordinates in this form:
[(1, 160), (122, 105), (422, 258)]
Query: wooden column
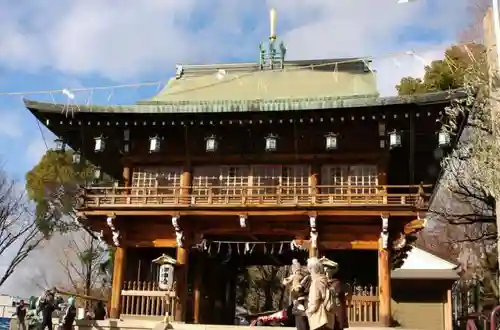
[(116, 288), (314, 181), (181, 273), (198, 288), (448, 311), (186, 181), (384, 284), (126, 176)]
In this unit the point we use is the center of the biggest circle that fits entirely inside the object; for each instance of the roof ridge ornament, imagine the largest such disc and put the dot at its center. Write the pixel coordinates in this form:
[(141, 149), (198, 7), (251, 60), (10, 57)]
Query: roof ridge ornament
[(179, 71), (272, 58)]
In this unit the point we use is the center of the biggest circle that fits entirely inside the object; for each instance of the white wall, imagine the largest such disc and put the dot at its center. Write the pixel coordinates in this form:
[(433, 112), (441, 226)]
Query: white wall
[(420, 259)]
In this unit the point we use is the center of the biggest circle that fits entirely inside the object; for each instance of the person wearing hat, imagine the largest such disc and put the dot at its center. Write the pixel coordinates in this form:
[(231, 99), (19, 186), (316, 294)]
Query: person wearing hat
[(298, 294), (331, 269)]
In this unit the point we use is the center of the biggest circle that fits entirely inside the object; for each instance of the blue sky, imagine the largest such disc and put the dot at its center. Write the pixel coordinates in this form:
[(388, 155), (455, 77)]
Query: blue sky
[(54, 45)]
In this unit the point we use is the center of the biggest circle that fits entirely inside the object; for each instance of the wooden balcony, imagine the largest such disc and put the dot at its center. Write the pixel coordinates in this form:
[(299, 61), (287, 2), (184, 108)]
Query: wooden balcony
[(254, 197)]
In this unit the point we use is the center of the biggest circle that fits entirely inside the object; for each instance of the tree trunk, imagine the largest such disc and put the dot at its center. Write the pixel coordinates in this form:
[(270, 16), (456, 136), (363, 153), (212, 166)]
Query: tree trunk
[(88, 275)]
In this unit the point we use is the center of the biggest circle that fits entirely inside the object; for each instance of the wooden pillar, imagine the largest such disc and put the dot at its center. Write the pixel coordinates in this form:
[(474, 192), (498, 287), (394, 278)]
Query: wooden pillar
[(181, 273), (116, 288), (198, 288), (384, 284), (314, 181), (448, 311), (126, 176), (186, 181)]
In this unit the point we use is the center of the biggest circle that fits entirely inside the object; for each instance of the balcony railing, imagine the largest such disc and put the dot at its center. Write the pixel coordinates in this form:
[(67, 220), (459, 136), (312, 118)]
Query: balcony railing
[(252, 196)]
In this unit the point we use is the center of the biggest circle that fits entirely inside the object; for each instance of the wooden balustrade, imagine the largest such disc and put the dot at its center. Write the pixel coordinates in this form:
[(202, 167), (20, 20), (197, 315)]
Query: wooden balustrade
[(363, 307), (146, 299), (252, 196)]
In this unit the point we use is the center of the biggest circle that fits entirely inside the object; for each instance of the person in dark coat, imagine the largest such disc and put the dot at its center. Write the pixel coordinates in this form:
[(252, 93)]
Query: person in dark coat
[(99, 311), (21, 315), (47, 305), (69, 315), (337, 288)]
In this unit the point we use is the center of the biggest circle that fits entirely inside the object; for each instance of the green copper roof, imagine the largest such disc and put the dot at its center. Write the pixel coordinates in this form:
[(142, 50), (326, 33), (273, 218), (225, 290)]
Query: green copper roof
[(218, 106), (247, 82)]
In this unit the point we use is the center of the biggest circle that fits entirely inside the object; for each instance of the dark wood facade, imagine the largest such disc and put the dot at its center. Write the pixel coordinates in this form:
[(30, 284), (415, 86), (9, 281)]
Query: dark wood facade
[(364, 194)]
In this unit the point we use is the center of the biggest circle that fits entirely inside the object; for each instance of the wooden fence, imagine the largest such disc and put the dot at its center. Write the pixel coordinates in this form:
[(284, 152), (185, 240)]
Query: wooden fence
[(363, 306), (146, 299)]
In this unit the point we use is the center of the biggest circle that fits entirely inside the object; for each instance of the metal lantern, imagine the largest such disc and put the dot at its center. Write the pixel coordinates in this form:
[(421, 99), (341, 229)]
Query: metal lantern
[(166, 271), (60, 146), (154, 144), (211, 143), (99, 144), (126, 135), (271, 142), (444, 139), (394, 139), (331, 141), (76, 157), (97, 174)]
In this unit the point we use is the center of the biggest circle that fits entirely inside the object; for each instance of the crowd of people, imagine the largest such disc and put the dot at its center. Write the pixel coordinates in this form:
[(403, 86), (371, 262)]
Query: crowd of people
[(44, 307), (318, 297)]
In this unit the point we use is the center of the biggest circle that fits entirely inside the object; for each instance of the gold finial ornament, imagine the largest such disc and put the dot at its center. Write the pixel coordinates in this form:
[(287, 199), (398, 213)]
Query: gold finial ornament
[(272, 24)]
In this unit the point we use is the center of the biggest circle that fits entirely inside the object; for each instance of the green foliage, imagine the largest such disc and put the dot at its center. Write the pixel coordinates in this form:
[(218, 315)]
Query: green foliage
[(260, 288), (53, 185), (452, 72)]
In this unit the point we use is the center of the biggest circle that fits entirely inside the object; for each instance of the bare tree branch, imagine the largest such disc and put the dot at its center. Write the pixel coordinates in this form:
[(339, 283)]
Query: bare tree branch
[(19, 233)]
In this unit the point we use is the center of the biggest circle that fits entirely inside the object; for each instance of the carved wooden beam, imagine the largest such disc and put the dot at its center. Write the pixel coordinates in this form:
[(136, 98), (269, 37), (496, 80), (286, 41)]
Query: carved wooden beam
[(115, 232), (415, 226), (384, 234), (179, 233), (243, 220)]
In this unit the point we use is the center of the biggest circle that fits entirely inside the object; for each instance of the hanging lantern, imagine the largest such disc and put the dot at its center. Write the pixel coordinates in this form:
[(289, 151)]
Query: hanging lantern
[(331, 141), (211, 143), (271, 142), (166, 271), (97, 174), (444, 139), (126, 135), (60, 146), (394, 139), (99, 144), (154, 144), (76, 157)]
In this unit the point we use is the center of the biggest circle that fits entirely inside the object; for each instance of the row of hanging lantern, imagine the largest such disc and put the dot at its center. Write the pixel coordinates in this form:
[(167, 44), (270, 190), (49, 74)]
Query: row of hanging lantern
[(271, 143), (395, 139), (211, 143)]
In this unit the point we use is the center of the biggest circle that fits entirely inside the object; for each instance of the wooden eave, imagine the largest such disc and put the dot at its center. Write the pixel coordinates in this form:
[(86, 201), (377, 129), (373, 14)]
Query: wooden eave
[(239, 106)]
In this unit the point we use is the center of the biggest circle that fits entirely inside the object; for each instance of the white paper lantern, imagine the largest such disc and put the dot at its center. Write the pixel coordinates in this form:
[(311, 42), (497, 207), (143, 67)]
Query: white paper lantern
[(154, 144), (394, 139), (271, 142), (166, 277), (331, 141), (444, 139), (99, 144), (211, 143)]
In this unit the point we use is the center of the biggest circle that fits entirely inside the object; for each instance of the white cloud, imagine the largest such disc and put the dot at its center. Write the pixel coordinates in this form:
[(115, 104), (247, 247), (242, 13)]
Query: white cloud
[(133, 38)]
